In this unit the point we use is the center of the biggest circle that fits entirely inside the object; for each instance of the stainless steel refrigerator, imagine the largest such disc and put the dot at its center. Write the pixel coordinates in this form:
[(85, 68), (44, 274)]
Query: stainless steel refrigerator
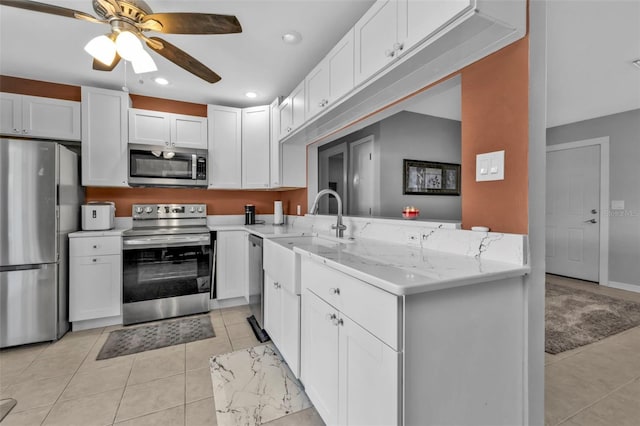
[(39, 206)]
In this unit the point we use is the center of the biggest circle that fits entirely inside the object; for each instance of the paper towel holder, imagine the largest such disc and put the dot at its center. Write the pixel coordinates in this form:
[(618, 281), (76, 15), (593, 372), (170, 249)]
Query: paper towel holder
[(278, 215)]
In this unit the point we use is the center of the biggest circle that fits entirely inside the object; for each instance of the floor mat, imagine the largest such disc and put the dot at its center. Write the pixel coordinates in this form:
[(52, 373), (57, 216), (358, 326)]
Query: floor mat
[(254, 386), (574, 317), (154, 336)]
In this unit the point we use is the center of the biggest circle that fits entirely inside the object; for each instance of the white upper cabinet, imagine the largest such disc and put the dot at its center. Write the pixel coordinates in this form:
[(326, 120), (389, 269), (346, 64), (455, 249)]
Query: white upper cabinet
[(332, 78), (392, 27), (376, 35), (189, 131), (292, 111), (149, 127), (418, 19), (37, 117), (167, 129), (255, 147), (275, 176), (225, 147), (104, 137)]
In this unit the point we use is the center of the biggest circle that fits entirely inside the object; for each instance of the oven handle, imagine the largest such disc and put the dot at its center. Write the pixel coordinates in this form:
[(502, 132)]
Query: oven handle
[(163, 241)]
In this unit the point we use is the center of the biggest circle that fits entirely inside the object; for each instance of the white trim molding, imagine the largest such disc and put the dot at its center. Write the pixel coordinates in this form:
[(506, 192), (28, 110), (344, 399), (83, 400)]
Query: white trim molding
[(603, 143), (625, 286)]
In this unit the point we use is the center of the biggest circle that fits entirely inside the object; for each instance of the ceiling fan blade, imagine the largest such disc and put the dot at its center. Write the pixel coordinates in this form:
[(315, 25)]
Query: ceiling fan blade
[(183, 59), (99, 66), (191, 23), (49, 8)]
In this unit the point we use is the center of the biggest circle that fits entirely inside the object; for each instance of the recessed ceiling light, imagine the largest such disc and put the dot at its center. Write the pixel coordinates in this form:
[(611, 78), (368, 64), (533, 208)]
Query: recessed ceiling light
[(251, 95), (291, 37), (161, 81), (636, 63)]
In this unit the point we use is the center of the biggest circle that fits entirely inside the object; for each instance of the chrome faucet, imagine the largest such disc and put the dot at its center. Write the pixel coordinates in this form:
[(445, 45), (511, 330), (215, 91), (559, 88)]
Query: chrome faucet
[(339, 227)]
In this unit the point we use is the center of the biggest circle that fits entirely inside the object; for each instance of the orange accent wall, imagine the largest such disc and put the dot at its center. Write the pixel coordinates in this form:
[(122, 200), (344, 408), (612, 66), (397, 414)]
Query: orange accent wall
[(218, 202), (168, 105), (291, 199), (23, 86), (495, 116)]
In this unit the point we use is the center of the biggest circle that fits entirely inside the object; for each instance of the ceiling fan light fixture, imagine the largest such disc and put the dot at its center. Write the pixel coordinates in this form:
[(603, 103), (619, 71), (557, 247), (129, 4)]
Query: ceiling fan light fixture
[(143, 63), (102, 48), (128, 45)]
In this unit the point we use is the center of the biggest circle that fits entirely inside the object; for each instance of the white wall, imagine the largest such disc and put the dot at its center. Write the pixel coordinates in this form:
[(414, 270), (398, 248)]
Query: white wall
[(623, 130)]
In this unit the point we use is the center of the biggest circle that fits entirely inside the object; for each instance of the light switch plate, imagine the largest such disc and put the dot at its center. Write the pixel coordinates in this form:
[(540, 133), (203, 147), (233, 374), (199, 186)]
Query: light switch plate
[(495, 169)]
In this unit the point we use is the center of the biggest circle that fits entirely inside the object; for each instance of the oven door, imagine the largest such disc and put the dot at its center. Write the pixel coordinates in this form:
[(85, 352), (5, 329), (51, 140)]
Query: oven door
[(166, 266)]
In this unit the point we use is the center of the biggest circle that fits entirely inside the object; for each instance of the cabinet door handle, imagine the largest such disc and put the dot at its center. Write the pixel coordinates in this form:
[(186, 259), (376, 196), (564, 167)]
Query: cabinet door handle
[(389, 53), (25, 131), (94, 260), (16, 131), (166, 143), (95, 246), (398, 47), (335, 291), (339, 322)]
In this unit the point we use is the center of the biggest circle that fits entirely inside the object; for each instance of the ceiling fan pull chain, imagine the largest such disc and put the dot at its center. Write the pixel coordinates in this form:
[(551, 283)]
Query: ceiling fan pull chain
[(125, 88)]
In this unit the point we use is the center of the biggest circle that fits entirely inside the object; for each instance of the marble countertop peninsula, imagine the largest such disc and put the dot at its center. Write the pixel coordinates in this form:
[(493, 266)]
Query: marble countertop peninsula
[(405, 269)]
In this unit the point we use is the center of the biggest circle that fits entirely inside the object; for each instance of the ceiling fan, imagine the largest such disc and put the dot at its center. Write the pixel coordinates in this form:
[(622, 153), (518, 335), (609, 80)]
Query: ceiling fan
[(129, 20)]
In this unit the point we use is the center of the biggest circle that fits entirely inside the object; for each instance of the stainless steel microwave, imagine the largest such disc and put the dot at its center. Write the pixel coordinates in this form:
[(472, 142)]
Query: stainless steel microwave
[(158, 166)]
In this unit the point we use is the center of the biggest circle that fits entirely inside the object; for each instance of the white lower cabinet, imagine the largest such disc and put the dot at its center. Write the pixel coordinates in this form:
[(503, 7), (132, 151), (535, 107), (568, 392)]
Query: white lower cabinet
[(282, 321), (95, 278), (231, 266), (351, 377)]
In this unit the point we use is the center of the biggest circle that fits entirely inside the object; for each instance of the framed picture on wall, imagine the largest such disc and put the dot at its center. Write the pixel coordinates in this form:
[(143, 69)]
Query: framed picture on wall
[(430, 178)]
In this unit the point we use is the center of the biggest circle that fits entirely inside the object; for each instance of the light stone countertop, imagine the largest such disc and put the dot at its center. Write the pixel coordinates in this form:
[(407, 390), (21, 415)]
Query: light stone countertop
[(116, 232), (266, 230), (402, 269)]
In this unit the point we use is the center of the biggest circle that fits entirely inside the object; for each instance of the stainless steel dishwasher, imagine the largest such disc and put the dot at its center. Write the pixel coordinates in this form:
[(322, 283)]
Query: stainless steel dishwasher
[(256, 288)]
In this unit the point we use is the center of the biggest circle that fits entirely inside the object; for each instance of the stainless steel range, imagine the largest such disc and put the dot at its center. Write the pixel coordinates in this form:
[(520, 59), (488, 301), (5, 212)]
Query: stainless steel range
[(167, 262)]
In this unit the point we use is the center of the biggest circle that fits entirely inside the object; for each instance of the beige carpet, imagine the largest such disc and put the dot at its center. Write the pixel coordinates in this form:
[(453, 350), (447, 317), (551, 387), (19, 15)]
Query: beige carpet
[(574, 318)]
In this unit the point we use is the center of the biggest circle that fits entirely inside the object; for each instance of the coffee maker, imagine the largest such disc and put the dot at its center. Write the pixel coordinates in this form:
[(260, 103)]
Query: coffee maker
[(249, 214)]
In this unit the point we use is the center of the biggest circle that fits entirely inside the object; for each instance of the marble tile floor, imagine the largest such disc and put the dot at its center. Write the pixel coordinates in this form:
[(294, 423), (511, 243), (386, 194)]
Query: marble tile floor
[(61, 383), (596, 384)]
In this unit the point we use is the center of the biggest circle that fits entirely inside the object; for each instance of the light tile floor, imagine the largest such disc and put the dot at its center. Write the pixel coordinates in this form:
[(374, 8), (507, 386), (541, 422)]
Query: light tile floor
[(61, 383), (597, 384)]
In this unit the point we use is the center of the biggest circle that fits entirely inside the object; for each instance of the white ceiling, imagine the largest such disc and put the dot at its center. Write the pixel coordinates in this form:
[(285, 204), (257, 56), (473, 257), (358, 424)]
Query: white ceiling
[(590, 46), (50, 48)]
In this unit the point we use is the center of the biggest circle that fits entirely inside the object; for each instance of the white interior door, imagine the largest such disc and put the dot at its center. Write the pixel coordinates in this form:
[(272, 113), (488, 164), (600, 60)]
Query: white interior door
[(361, 177), (573, 212)]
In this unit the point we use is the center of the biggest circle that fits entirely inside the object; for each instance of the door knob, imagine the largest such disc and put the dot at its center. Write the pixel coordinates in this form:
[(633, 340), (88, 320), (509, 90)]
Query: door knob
[(594, 211), (591, 221)]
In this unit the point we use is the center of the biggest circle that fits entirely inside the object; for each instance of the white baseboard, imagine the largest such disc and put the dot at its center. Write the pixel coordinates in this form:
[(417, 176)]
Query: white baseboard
[(624, 286), (227, 303), (96, 323)]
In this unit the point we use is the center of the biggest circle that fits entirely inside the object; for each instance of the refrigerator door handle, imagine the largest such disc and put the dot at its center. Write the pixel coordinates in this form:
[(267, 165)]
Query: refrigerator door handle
[(22, 267)]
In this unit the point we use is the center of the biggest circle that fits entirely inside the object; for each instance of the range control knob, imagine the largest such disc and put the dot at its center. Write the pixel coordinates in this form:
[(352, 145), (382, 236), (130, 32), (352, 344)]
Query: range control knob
[(200, 209), (148, 210), (139, 210), (192, 209)]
